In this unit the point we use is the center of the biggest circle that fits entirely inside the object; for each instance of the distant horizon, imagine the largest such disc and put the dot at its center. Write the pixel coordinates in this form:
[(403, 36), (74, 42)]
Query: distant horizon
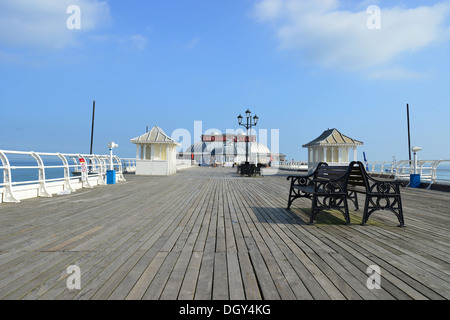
[(301, 65)]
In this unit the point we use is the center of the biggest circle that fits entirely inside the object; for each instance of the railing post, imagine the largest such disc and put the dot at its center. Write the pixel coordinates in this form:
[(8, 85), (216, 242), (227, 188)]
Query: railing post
[(120, 173), (433, 173), (8, 195), (397, 169), (42, 191), (67, 184), (101, 170), (85, 183)]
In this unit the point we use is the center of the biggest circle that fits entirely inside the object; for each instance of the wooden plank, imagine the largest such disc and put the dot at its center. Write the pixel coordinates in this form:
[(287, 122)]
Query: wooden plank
[(220, 279), (235, 282), (156, 287), (205, 277), (249, 278), (189, 285), (139, 289)]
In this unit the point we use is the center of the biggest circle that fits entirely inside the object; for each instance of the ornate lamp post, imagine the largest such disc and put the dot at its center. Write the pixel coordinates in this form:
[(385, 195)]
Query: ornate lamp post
[(251, 122)]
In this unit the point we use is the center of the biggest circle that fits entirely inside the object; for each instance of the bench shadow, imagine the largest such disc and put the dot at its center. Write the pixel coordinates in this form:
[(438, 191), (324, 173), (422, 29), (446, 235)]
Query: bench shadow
[(301, 216)]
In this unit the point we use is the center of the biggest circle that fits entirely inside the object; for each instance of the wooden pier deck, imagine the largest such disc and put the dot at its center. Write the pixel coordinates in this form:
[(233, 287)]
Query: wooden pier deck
[(207, 234)]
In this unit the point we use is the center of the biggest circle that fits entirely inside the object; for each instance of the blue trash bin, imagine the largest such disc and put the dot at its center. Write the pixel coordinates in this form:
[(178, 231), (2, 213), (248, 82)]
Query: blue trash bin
[(414, 180), (111, 176)]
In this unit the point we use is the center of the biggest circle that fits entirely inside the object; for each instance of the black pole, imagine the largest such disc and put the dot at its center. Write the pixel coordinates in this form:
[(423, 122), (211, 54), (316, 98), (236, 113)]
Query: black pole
[(246, 145), (409, 134), (92, 130)]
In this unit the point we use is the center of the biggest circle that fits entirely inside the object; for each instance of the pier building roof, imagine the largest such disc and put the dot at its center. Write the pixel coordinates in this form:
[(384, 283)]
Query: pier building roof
[(155, 135), (333, 137)]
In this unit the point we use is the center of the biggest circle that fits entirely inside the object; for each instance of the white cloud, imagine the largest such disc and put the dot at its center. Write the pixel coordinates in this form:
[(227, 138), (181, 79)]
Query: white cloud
[(332, 37), (42, 24), (138, 41), (192, 43), (394, 73)]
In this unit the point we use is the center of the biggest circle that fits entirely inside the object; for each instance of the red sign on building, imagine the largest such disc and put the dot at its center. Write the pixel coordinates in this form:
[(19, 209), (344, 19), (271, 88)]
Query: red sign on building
[(225, 138)]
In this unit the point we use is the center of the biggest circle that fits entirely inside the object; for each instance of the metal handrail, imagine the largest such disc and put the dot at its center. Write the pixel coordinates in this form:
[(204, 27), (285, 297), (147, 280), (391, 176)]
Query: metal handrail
[(97, 166), (129, 164), (428, 170), (292, 165)]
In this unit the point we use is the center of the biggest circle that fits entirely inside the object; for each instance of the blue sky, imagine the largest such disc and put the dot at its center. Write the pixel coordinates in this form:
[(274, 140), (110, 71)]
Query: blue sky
[(302, 66)]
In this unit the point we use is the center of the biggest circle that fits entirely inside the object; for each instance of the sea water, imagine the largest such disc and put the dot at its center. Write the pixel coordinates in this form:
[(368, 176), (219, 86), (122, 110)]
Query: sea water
[(19, 174)]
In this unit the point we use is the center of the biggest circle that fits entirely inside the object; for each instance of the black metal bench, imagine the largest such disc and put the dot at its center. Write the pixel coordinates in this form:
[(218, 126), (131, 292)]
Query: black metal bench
[(249, 169), (329, 187), (381, 194), (325, 187)]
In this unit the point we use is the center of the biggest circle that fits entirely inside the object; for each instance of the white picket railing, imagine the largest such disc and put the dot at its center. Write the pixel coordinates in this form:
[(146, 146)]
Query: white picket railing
[(431, 171), (128, 164), (292, 165), (14, 190)]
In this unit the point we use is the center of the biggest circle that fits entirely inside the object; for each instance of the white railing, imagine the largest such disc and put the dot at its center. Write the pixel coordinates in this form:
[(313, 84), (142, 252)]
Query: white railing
[(293, 165), (128, 164), (183, 164), (16, 186), (431, 171)]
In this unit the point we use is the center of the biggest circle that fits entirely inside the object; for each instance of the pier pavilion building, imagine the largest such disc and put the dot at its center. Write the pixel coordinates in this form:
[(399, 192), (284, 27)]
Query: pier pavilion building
[(331, 147), (228, 149), (155, 153)]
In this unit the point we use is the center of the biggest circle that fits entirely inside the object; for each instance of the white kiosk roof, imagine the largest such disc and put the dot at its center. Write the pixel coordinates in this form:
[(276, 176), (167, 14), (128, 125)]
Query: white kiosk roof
[(155, 135), (332, 137)]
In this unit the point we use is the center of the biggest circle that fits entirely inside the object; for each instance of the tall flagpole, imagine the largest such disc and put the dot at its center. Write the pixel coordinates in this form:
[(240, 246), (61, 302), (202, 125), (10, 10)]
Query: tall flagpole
[(92, 130), (409, 134)]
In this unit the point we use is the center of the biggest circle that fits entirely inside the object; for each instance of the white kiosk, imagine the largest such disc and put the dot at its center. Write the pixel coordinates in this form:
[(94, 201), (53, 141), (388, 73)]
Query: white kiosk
[(331, 147), (155, 153)]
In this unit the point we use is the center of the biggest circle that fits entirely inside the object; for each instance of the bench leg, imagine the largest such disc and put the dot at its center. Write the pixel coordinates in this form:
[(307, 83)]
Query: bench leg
[(393, 204), (399, 213), (295, 194), (353, 196), (346, 213), (314, 210), (334, 203), (312, 217), (365, 213), (291, 199)]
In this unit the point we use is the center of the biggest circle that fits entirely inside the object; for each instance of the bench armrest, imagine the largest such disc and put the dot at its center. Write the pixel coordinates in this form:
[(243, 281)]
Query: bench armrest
[(304, 180), (384, 186)]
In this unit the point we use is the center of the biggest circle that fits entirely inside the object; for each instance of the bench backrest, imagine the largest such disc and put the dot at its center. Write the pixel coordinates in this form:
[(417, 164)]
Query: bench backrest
[(352, 175), (357, 175), (327, 172)]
